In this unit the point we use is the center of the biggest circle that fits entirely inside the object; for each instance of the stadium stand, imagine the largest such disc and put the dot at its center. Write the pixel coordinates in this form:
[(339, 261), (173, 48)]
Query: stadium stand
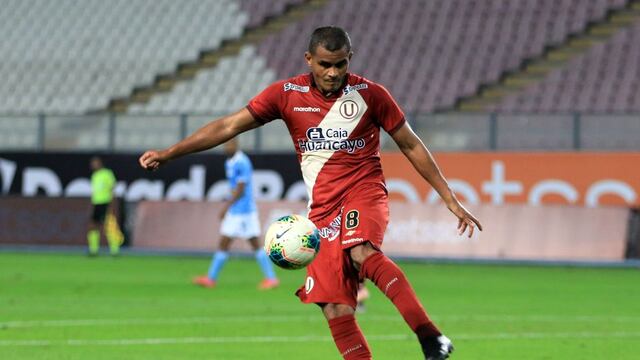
[(429, 53), (604, 79), (408, 48), (225, 87), (83, 56), (82, 53), (259, 10)]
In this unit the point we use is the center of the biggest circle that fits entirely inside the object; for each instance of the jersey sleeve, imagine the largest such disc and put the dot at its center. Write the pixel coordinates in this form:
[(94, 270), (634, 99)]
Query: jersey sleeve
[(388, 113), (265, 107), (242, 172)]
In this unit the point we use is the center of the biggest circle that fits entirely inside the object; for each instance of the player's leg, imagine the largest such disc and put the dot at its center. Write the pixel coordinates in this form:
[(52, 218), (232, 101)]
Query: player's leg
[(364, 224), (270, 280), (332, 284), (93, 233), (345, 331), (391, 280), (250, 229), (362, 297), (218, 260)]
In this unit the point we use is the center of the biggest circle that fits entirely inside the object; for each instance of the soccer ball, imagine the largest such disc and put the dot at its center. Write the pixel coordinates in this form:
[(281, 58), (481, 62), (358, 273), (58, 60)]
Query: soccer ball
[(292, 242)]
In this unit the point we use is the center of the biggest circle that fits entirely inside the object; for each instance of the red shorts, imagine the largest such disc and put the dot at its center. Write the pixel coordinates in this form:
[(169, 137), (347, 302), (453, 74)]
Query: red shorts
[(362, 217)]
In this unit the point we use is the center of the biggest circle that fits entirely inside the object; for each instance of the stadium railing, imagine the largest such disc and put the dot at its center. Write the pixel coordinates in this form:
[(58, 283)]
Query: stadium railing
[(441, 132)]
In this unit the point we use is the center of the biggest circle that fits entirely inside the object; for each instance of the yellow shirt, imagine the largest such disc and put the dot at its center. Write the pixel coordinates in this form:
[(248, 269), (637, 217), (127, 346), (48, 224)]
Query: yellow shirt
[(102, 184)]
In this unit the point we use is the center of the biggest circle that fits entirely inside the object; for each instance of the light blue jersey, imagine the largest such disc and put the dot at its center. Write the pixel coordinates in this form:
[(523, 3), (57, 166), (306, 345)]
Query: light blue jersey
[(240, 170)]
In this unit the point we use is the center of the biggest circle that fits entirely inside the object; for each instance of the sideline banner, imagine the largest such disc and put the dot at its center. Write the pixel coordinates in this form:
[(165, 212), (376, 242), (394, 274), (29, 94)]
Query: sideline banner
[(418, 230), (46, 221), (585, 179), (195, 177)]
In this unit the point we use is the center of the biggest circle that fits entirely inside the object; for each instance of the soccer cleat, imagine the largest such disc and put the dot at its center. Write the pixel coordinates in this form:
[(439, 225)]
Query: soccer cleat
[(204, 281), (268, 284), (437, 348)]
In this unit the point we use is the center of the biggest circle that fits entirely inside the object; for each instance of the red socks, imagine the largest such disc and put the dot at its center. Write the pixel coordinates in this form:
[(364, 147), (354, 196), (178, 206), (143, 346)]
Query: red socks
[(349, 339), (389, 278)]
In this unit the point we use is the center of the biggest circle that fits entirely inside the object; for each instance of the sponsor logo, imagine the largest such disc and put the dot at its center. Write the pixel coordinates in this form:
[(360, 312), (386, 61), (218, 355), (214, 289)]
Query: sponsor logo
[(351, 349), (319, 139), (386, 288), (350, 232), (7, 173), (289, 86), (351, 241), (306, 109), (308, 284), (349, 109), (331, 231), (356, 87), (278, 236)]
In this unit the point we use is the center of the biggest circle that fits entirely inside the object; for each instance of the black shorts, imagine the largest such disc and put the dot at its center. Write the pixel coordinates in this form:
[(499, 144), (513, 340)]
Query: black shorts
[(99, 213)]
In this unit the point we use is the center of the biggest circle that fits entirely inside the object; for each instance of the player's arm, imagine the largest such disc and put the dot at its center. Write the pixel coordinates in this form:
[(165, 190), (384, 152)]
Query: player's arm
[(422, 160), (236, 194), (211, 135)]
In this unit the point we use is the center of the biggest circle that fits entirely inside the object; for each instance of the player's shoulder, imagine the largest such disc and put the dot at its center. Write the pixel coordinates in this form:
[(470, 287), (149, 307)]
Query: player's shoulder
[(297, 84), (364, 86), (241, 158)]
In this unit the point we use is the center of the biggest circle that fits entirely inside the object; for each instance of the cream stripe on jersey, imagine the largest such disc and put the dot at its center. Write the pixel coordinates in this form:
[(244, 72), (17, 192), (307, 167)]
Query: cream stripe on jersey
[(313, 161)]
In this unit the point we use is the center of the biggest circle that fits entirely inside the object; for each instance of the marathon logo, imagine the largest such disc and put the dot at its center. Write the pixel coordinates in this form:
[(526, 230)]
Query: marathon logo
[(306, 109), (319, 139), (289, 86), (356, 87)]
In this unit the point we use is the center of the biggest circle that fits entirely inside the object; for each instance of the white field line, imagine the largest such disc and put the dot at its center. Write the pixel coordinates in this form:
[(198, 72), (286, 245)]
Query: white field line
[(320, 338), (308, 318)]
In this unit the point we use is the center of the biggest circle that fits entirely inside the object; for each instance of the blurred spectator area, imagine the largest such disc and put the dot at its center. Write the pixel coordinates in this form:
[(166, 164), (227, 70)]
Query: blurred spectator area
[(84, 53)]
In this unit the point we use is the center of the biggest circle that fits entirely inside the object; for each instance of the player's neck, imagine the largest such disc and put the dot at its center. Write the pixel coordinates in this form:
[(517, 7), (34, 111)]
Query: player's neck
[(324, 92)]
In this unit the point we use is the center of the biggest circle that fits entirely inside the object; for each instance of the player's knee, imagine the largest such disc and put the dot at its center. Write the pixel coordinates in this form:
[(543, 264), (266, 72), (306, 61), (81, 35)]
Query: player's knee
[(225, 242), (332, 311), (360, 253)]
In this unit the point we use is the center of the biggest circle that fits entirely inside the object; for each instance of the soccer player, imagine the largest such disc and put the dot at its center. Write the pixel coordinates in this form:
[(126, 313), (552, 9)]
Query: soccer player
[(102, 183), (239, 219), (334, 119)]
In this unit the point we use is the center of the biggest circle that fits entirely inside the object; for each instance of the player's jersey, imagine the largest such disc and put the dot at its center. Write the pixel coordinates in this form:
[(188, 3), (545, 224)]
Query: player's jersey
[(238, 169), (102, 183), (337, 138)]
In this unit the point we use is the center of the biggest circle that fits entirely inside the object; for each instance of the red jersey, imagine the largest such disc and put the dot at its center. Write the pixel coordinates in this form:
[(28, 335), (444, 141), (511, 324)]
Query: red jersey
[(337, 138)]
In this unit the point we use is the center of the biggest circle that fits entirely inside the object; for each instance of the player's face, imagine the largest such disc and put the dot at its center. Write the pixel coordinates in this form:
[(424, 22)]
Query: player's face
[(230, 147), (95, 164), (329, 68)]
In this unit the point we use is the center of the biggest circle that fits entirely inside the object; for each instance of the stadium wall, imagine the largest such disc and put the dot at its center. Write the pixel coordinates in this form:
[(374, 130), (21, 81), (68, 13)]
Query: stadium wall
[(512, 232), (574, 178)]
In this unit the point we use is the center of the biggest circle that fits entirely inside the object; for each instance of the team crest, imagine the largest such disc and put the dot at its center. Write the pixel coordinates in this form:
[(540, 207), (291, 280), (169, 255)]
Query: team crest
[(349, 109)]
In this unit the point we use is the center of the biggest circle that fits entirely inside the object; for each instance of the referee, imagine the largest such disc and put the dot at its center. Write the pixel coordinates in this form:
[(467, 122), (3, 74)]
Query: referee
[(102, 183)]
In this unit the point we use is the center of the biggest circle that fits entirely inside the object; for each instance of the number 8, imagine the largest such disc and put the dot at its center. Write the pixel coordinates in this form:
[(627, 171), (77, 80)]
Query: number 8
[(352, 219)]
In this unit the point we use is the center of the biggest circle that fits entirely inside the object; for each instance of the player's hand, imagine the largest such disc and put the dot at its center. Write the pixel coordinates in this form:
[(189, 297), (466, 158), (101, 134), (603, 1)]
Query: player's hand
[(466, 221), (152, 159)]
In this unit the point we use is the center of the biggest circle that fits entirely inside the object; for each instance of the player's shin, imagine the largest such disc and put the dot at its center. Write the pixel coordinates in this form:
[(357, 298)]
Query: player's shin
[(390, 279), (349, 338), (217, 262), (93, 238), (265, 265)]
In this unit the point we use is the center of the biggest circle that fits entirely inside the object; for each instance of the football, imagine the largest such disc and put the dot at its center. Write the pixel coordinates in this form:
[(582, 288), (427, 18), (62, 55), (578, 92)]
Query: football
[(292, 242)]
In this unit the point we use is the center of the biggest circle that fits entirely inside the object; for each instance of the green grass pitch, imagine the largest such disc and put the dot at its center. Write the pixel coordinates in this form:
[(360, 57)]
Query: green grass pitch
[(56, 306)]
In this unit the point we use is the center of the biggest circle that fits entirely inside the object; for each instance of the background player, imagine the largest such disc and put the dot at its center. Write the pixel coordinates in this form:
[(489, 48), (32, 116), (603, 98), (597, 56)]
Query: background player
[(239, 219), (338, 147), (102, 183)]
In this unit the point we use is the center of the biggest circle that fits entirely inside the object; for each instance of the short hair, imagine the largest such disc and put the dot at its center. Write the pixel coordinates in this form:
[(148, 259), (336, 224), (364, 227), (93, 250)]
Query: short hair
[(332, 38)]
